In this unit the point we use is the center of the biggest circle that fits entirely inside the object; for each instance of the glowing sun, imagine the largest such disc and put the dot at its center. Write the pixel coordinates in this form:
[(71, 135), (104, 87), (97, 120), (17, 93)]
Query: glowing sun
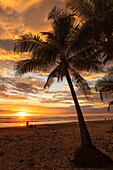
[(21, 114)]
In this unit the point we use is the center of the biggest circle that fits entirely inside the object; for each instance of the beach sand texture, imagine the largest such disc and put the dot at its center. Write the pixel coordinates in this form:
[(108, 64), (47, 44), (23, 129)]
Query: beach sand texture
[(49, 146)]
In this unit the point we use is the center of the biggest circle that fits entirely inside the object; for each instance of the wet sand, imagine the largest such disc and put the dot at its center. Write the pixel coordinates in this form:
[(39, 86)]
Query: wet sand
[(49, 146)]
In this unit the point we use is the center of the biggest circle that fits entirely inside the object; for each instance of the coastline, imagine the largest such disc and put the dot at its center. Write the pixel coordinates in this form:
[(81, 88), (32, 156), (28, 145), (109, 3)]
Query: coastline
[(65, 123), (14, 121), (50, 146)]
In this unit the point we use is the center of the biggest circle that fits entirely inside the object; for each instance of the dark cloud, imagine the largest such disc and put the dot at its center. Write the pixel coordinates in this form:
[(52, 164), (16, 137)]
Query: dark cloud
[(5, 111), (7, 44), (44, 100), (9, 27), (26, 88), (3, 90), (2, 87), (8, 11), (14, 88), (4, 95), (91, 110), (9, 16)]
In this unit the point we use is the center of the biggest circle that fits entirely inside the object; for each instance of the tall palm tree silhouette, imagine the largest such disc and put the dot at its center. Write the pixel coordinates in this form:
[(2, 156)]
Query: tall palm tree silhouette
[(60, 52)]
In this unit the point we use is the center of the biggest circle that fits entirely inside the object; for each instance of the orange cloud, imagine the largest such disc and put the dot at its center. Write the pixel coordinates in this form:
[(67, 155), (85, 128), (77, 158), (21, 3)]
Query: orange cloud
[(20, 5), (93, 76)]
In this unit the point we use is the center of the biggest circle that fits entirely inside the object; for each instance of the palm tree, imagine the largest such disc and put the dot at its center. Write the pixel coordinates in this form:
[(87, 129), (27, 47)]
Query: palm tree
[(59, 51), (105, 87)]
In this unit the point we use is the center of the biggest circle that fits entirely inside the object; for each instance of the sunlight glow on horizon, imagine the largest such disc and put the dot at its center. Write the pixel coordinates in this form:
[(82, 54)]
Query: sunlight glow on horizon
[(22, 114)]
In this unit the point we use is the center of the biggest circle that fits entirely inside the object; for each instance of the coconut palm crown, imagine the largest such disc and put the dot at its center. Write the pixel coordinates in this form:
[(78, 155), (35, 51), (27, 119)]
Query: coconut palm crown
[(56, 52)]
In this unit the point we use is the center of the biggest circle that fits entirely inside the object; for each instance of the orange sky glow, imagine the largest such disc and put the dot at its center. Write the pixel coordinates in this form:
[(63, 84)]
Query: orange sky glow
[(24, 95)]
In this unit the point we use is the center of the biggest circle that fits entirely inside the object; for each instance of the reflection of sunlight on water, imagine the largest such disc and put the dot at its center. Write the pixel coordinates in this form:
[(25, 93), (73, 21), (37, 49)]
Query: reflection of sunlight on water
[(21, 118), (22, 124)]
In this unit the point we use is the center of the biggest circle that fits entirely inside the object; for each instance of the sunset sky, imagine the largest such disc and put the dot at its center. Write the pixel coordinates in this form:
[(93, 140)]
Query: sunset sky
[(25, 94)]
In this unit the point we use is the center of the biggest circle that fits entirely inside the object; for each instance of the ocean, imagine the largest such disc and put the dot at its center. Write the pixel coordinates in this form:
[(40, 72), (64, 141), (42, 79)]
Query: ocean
[(13, 121)]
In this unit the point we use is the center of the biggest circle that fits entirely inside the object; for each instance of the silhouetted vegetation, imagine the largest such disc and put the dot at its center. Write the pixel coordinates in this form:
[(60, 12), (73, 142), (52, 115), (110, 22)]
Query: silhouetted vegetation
[(71, 47)]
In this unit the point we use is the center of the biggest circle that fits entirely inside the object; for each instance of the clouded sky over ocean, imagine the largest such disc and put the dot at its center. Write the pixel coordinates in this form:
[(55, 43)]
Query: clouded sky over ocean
[(25, 93)]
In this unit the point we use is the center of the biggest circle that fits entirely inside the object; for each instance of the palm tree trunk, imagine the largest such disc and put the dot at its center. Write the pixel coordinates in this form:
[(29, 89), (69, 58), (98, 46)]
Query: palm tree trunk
[(85, 137)]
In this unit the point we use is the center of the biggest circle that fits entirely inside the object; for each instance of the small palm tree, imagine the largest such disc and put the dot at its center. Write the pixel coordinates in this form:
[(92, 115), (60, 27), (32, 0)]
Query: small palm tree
[(60, 52), (105, 87)]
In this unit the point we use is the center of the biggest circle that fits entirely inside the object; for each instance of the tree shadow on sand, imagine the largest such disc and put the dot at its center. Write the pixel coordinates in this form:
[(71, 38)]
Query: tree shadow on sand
[(89, 156)]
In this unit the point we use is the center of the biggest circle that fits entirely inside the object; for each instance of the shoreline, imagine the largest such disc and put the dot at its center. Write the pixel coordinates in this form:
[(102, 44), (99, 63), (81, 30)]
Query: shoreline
[(62, 123)]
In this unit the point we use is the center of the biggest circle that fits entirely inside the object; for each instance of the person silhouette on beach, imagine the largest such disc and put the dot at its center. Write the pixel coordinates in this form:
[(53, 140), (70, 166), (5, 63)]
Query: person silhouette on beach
[(27, 123)]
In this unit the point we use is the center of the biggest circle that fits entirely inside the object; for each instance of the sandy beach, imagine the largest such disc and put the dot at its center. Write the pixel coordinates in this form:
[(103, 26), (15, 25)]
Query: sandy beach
[(49, 146)]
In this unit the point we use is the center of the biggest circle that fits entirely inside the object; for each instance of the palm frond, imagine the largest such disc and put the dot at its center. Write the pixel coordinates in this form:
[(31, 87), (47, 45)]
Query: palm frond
[(56, 73), (50, 38), (86, 60), (97, 17), (54, 13), (62, 24), (27, 43), (50, 35), (46, 53), (25, 66), (87, 36), (30, 65), (83, 9), (86, 9), (80, 82)]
